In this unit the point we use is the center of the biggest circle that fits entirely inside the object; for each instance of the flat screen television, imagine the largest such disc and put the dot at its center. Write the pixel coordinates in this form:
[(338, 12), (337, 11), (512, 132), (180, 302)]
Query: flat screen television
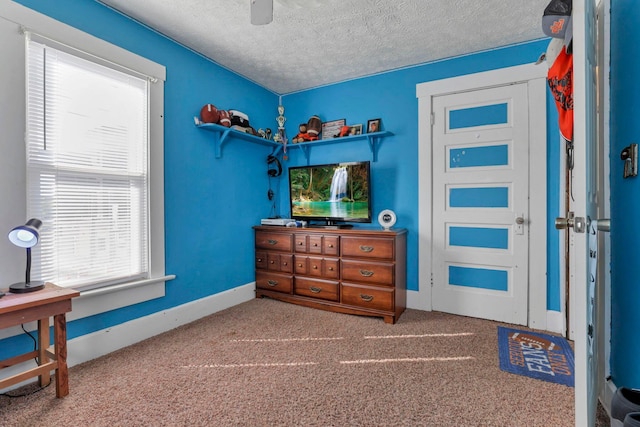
[(331, 195)]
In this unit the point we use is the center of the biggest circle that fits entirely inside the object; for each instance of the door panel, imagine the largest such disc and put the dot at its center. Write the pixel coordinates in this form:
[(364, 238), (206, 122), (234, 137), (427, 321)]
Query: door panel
[(480, 189), (584, 190)]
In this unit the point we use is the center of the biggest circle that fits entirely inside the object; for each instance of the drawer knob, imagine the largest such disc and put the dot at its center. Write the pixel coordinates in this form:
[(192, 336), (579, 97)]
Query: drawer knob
[(330, 268), (272, 283), (330, 245), (315, 289), (300, 243), (272, 242), (272, 262), (366, 273), (300, 265), (364, 248), (315, 267), (367, 298), (259, 259), (315, 244), (285, 263)]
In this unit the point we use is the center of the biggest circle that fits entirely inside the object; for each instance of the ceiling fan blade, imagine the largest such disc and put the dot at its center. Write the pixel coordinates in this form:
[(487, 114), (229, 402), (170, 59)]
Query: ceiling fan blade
[(261, 12)]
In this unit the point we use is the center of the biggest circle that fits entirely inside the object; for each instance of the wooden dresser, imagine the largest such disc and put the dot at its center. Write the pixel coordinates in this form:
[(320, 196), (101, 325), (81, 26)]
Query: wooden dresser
[(354, 271)]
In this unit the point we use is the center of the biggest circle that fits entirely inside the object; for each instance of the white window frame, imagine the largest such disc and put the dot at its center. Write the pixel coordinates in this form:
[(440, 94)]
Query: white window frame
[(91, 302)]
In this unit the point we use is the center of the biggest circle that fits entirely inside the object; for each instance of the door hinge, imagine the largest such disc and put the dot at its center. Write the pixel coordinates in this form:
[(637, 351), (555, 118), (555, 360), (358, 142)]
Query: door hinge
[(433, 118)]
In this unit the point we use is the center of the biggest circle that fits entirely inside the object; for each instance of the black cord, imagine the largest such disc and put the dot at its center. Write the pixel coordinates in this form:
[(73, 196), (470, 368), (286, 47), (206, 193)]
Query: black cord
[(35, 343), (35, 348), (271, 195), (14, 396)]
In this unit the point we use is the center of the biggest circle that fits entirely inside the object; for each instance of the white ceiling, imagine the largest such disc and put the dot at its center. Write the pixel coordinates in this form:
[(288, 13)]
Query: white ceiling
[(312, 43)]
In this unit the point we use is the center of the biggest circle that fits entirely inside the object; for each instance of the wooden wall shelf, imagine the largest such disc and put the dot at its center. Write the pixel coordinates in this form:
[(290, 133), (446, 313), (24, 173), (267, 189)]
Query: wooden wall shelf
[(222, 134), (374, 139)]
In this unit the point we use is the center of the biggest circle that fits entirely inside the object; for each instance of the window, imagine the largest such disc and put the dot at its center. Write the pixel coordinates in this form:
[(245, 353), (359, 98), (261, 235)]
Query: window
[(88, 178)]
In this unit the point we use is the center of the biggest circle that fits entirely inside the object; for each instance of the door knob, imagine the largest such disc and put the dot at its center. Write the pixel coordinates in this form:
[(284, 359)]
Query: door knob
[(519, 229), (604, 224), (564, 223), (578, 223)]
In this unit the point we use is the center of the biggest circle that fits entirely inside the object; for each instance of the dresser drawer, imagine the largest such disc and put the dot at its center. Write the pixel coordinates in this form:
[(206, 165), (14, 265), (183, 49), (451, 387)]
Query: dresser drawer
[(330, 245), (301, 264), (331, 268), (328, 268), (368, 272), (275, 241), (261, 260), (273, 261), (366, 247), (315, 288), (315, 266), (372, 297), (279, 262), (301, 243), (274, 282), (286, 263), (315, 244)]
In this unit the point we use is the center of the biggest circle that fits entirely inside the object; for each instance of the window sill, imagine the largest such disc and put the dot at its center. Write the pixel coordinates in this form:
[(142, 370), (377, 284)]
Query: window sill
[(96, 301)]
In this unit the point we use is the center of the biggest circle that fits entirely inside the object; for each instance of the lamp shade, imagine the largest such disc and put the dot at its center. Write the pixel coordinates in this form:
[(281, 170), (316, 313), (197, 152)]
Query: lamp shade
[(26, 236)]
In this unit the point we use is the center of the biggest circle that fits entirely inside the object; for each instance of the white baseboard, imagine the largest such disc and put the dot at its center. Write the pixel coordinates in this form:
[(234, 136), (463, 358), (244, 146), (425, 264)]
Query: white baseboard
[(105, 341), (417, 301), (555, 322), (607, 394), (555, 319)]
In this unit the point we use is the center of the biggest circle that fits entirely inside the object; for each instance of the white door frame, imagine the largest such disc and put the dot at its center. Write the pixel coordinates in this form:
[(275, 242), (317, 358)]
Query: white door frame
[(535, 76), (588, 202), (607, 388)]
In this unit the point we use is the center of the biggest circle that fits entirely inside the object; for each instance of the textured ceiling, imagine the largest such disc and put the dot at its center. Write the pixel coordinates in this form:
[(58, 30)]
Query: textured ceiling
[(312, 43)]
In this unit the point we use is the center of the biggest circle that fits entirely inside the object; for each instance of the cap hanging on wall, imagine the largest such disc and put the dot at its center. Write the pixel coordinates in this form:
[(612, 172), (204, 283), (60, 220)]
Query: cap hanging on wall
[(557, 21)]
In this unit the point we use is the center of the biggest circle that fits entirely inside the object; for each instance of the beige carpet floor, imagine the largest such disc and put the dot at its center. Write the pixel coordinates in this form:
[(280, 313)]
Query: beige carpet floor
[(269, 363)]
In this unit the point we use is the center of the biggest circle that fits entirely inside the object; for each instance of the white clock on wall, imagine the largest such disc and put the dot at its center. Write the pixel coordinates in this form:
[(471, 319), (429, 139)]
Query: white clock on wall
[(387, 218)]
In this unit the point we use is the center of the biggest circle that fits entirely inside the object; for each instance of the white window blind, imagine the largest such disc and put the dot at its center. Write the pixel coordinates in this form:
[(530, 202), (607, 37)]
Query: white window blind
[(87, 169)]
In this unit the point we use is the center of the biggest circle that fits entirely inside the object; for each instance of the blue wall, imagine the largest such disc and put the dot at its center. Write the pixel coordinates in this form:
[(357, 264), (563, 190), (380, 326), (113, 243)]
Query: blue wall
[(228, 195), (392, 97), (210, 204), (625, 194)]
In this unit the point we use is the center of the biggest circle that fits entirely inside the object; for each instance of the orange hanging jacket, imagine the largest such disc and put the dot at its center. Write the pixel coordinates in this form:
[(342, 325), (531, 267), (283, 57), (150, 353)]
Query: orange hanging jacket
[(560, 80)]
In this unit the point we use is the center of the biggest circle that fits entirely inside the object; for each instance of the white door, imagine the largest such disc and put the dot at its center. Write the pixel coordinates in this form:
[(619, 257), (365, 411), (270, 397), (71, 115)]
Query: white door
[(584, 190), (481, 203)]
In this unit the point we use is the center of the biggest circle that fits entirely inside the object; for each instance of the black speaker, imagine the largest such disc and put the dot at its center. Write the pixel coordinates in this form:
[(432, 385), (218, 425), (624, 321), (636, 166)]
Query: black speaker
[(273, 162)]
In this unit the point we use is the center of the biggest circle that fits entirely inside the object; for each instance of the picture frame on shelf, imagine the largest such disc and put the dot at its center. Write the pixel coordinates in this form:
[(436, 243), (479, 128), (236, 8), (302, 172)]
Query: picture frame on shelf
[(332, 128), (373, 125), (356, 129)]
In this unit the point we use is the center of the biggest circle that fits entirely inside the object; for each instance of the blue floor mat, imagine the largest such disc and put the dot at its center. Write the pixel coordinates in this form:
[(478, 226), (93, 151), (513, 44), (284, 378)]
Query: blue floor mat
[(536, 355)]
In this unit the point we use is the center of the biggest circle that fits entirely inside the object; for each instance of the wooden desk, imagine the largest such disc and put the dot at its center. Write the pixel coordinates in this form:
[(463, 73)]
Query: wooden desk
[(52, 301)]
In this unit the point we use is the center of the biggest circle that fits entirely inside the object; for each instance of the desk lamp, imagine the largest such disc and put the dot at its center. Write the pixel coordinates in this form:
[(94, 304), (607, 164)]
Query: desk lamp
[(26, 236)]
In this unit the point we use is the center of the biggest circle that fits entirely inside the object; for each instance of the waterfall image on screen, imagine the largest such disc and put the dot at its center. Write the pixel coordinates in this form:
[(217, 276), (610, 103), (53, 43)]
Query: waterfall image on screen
[(337, 192), (339, 184)]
